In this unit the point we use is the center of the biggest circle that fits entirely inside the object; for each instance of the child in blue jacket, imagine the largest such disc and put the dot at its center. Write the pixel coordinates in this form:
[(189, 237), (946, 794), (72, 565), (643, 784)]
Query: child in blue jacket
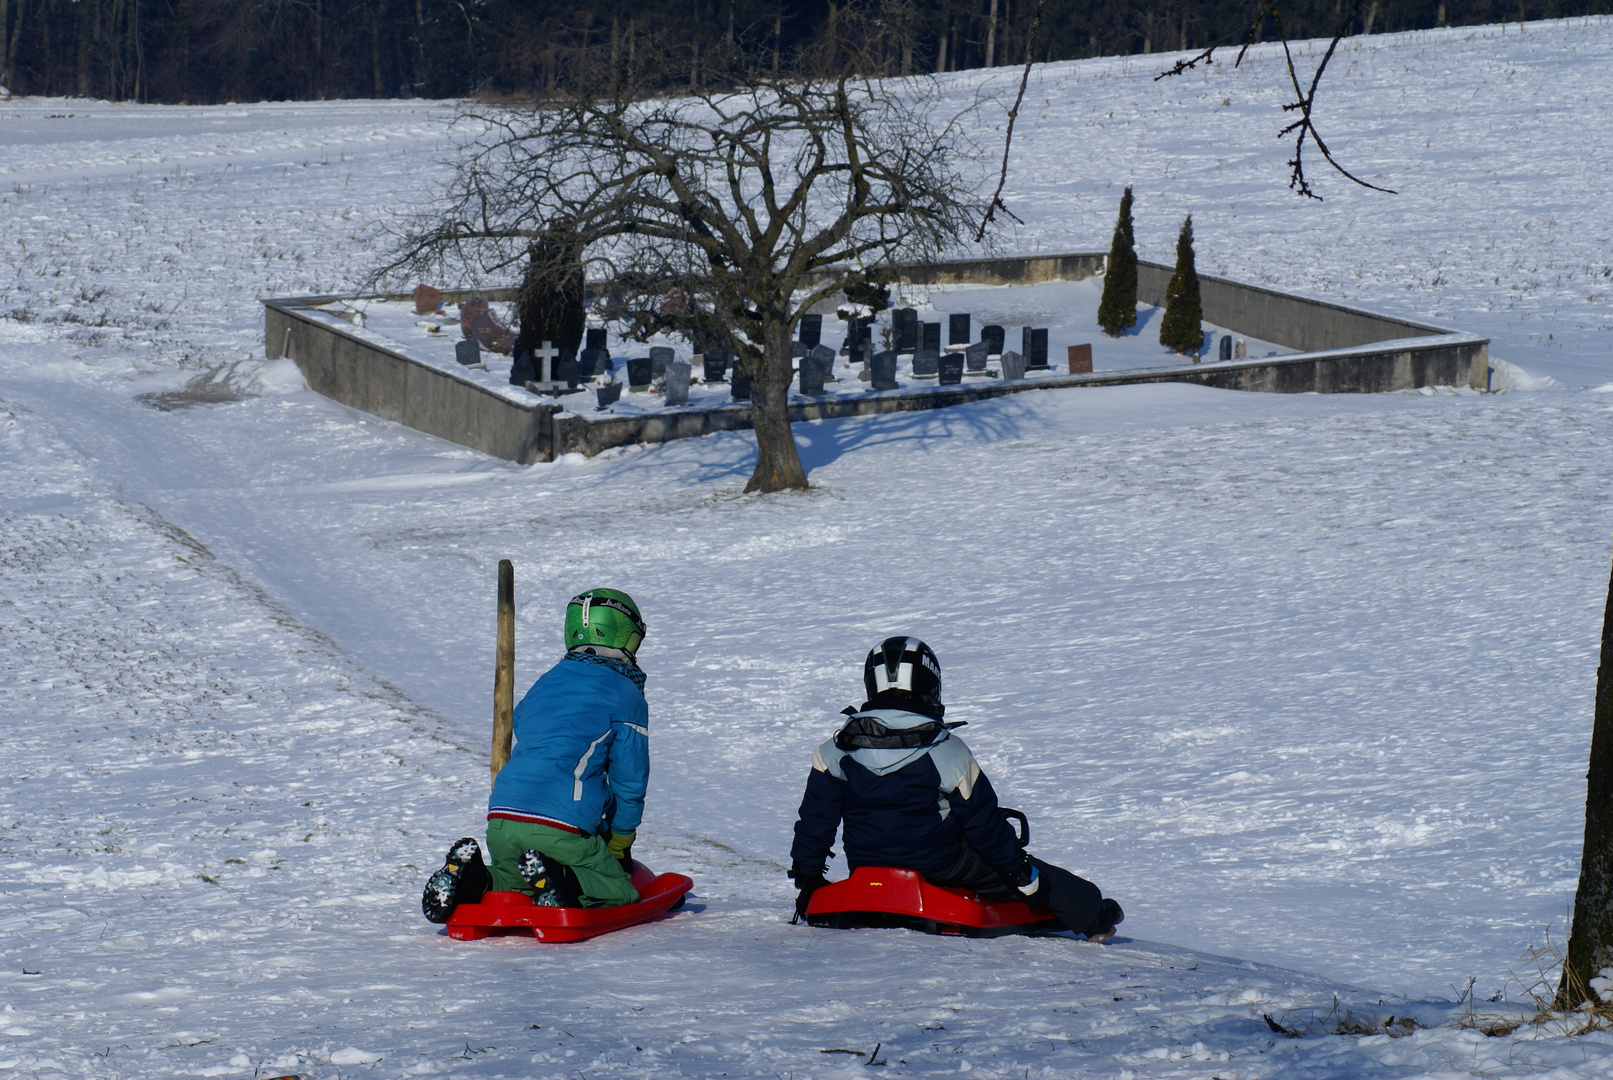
[(565, 808), (910, 795)]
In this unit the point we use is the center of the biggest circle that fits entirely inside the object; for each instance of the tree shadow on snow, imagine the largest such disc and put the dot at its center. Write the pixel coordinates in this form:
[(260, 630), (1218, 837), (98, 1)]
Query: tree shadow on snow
[(825, 442)]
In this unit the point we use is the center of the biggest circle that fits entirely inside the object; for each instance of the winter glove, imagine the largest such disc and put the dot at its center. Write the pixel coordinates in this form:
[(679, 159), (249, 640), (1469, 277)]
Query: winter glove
[(807, 882), (1026, 879), (621, 846)]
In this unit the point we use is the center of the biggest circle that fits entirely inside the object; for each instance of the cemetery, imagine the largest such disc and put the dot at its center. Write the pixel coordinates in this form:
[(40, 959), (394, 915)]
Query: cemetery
[(439, 361)]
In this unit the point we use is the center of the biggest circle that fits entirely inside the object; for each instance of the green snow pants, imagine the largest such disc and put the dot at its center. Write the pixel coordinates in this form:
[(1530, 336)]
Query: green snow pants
[(604, 882)]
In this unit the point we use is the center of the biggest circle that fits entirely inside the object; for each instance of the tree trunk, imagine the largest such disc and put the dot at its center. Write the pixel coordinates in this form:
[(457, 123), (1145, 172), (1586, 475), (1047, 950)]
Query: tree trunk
[(1590, 942), (778, 463), (991, 36)]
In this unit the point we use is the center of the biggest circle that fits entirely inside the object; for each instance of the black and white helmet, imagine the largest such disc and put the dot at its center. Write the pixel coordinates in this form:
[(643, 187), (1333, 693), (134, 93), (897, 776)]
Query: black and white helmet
[(903, 673)]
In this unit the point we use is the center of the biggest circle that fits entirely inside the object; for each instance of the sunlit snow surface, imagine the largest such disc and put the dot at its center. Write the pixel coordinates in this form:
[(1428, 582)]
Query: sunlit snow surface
[(1301, 680)]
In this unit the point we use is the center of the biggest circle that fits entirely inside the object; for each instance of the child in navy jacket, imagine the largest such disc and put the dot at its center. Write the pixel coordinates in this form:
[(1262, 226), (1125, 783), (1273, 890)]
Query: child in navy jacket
[(909, 794)]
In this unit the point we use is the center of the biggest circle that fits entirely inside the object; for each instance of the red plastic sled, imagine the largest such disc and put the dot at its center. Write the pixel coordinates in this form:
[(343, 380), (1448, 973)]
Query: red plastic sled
[(502, 913), (882, 896)]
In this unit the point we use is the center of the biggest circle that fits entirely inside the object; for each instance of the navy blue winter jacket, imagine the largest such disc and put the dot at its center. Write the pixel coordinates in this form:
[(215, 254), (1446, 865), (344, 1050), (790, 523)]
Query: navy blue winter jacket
[(911, 808), (581, 758)]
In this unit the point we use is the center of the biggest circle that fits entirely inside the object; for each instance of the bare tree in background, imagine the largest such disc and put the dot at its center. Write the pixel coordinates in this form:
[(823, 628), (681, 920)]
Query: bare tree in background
[(713, 213)]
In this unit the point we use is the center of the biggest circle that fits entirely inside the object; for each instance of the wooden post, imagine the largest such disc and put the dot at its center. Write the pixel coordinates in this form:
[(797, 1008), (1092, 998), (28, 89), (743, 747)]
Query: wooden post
[(504, 667)]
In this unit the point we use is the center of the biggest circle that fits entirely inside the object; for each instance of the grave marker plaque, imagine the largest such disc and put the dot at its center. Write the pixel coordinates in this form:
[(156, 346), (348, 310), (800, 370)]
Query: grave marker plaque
[(713, 367), (812, 373), (825, 357), (477, 320), (1080, 359), (1226, 347), (608, 395), (741, 383), (930, 337), (565, 370), (638, 374), (957, 329), (660, 357), (926, 363), (596, 338), (1013, 365), (426, 299), (950, 368), (905, 321), (992, 335), (974, 357), (467, 352), (811, 329), (677, 382), (883, 369), (1033, 342), (590, 361)]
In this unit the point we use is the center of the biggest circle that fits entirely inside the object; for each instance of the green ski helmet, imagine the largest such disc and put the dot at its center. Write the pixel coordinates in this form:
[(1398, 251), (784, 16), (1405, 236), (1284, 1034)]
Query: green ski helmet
[(605, 617)]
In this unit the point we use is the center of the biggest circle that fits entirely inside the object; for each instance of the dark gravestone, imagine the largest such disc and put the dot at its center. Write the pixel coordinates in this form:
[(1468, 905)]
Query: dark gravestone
[(596, 337), (1080, 359), (811, 329), (992, 335), (884, 370), (1226, 347), (712, 368), (957, 329), (926, 363), (638, 373), (950, 368), (975, 357), (522, 371), (677, 382), (660, 357), (1036, 354), (477, 320), (930, 337), (741, 383), (825, 358), (591, 361), (812, 373), (609, 395), (1013, 365), (565, 370), (906, 323), (799, 349), (467, 352)]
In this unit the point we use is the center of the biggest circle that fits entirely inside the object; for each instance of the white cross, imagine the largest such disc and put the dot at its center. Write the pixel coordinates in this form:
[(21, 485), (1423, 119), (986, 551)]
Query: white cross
[(547, 354)]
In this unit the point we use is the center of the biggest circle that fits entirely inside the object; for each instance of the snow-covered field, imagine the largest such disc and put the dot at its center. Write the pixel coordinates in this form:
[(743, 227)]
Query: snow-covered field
[(1303, 681)]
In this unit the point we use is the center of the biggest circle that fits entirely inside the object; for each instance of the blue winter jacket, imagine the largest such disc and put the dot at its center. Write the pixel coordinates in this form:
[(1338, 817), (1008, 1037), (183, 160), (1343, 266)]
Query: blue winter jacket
[(582, 752), (912, 808)]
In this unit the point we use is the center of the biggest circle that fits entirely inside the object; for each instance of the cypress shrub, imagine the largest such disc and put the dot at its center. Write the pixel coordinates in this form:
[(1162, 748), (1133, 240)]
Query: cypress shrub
[(1180, 329), (1117, 311)]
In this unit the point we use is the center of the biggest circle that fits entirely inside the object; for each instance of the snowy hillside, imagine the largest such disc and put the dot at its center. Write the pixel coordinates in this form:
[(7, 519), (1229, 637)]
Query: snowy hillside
[(1302, 681)]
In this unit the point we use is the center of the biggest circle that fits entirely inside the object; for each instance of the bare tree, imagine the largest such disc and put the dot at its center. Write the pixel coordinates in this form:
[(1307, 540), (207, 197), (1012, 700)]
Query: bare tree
[(728, 203)]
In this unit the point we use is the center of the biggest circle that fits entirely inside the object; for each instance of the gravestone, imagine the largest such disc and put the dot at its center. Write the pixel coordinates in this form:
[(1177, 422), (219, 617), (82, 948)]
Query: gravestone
[(638, 374), (949, 367), (883, 370), (825, 358), (660, 357), (1033, 344), (810, 329), (1013, 365), (812, 373), (992, 335), (591, 360), (799, 349), (930, 336), (539, 370), (741, 383), (677, 382), (522, 370), (596, 338), (906, 323), (565, 370), (467, 352), (1080, 359), (426, 299), (925, 363), (1240, 351), (1226, 347), (477, 320), (974, 357), (957, 329), (713, 367), (608, 395)]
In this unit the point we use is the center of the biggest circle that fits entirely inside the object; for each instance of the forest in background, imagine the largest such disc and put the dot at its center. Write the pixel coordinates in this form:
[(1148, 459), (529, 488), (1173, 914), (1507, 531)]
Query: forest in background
[(210, 51)]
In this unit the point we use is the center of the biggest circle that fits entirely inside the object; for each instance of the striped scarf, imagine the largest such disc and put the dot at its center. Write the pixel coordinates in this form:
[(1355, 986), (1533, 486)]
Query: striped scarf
[(623, 667)]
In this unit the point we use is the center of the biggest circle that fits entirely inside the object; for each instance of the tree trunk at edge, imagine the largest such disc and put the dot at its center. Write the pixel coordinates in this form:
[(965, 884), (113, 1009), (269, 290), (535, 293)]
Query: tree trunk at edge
[(1590, 942)]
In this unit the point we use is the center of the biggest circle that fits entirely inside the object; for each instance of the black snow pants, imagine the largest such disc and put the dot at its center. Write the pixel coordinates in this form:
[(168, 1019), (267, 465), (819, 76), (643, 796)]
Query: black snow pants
[(1074, 901)]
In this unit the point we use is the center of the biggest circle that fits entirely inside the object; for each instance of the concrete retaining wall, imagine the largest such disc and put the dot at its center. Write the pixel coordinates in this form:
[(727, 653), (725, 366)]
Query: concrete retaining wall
[(1344, 350)]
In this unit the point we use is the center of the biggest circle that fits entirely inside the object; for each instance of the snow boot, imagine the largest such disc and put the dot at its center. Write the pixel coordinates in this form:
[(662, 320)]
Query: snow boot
[(462, 880), (1103, 926), (555, 884)]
